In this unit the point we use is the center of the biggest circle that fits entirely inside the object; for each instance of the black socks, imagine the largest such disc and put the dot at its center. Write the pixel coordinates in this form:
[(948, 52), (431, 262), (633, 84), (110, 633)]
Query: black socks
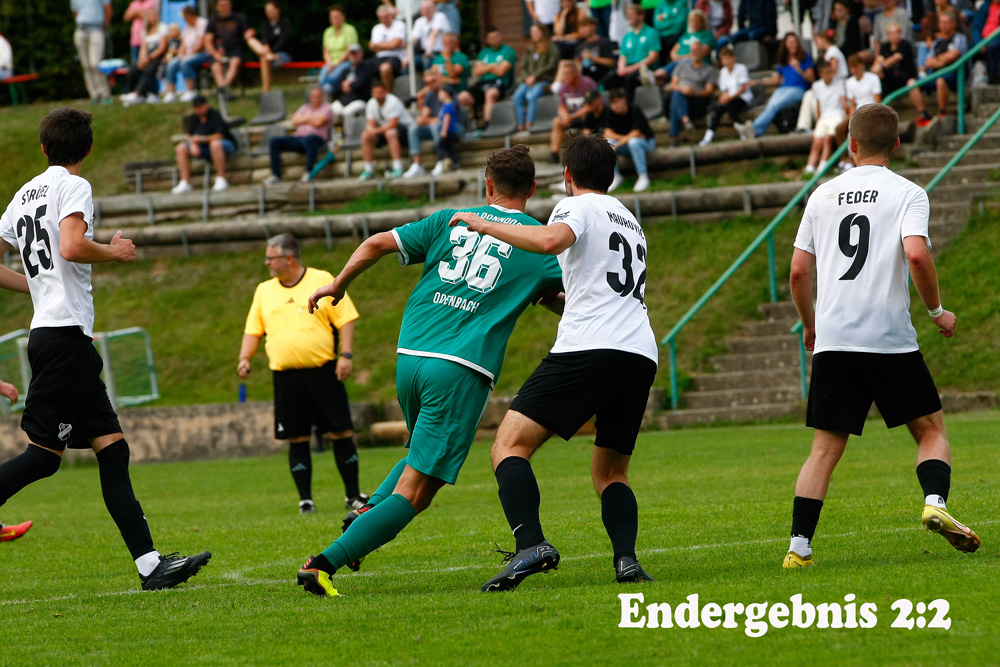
[(805, 516), (346, 455), (620, 513), (519, 497), (31, 465), (300, 463), (120, 499), (934, 476)]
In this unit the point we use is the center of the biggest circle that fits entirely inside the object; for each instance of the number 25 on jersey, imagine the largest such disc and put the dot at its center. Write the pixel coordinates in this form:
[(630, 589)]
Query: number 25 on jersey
[(29, 231)]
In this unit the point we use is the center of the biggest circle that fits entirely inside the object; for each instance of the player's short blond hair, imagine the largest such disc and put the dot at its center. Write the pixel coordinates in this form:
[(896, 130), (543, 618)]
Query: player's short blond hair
[(875, 127)]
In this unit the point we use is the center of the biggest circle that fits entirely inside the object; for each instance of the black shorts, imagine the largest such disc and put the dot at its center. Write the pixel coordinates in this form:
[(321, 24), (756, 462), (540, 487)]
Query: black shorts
[(569, 388), (67, 403), (844, 384), (304, 397), (402, 133), (397, 65), (479, 88)]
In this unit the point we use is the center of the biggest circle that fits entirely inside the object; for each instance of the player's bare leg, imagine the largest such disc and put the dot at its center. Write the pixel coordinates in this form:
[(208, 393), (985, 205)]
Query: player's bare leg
[(619, 511), (810, 491)]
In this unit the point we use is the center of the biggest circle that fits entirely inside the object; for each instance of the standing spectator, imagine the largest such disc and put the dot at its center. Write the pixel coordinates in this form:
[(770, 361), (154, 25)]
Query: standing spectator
[(986, 21), (136, 13), (450, 132), (537, 66), (734, 92), (601, 11), (692, 86), (892, 14), (896, 63), (388, 122), (594, 53), (543, 11), (312, 122), (275, 40), (793, 76), (640, 51), (756, 21), (336, 38), (356, 85), (388, 43), (720, 16), (566, 29), (450, 9), (208, 136), (670, 18), (946, 49), (697, 31), (190, 57), (142, 75), (451, 64), (428, 31), (425, 125), (573, 91), (92, 20), (831, 110), (224, 37), (628, 131), (828, 52), (494, 68)]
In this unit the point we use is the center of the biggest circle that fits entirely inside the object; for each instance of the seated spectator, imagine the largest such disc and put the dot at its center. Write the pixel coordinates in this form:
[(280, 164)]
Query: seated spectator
[(428, 33), (6, 58), (356, 83), (756, 21), (595, 54), (946, 6), (450, 132), (224, 42), (537, 67), (336, 38), (895, 64), (947, 47), (208, 137), (494, 69), (312, 122), (720, 16), (892, 14), (928, 31), (190, 56), (451, 64), (670, 18), (626, 128), (425, 125), (388, 43), (692, 86), (831, 110), (273, 45), (986, 21), (697, 32), (142, 79), (640, 51), (847, 33), (388, 124), (829, 53), (566, 29), (861, 88), (734, 93), (543, 12), (135, 14), (793, 76), (573, 90)]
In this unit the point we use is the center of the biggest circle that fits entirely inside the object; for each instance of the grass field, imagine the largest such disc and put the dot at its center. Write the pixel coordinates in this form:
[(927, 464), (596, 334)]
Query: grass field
[(714, 516)]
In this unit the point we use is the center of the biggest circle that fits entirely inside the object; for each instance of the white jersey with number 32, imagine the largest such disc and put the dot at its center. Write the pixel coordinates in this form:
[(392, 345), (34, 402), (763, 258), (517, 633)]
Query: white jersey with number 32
[(855, 225), (604, 274)]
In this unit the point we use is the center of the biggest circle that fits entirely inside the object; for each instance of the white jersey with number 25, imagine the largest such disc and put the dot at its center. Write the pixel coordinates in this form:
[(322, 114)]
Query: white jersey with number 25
[(855, 225), (604, 274)]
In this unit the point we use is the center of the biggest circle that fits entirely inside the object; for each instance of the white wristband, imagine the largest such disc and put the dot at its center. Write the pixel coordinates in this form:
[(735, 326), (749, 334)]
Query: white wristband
[(936, 313)]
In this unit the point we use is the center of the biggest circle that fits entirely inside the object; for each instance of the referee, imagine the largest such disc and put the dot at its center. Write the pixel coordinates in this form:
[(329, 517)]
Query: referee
[(308, 375)]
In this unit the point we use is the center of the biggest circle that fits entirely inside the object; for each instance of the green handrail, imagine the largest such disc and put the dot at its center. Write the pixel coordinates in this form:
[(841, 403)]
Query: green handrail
[(767, 234)]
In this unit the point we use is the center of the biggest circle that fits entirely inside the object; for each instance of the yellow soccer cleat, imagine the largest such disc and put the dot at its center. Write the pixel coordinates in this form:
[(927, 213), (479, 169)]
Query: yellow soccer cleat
[(315, 581), (937, 520), (793, 561)]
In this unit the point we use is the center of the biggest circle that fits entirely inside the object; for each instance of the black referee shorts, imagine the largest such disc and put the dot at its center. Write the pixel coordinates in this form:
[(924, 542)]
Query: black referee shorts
[(844, 385), (307, 396), (567, 389)]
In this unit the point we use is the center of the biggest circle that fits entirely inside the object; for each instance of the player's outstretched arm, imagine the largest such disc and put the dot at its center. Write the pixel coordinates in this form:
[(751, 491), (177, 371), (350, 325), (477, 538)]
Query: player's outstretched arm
[(924, 275), (545, 240), (74, 246), (801, 284), (551, 299), (11, 280), (372, 250)]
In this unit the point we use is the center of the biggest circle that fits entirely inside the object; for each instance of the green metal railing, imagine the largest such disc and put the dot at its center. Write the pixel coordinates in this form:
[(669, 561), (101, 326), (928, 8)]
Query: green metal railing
[(767, 234)]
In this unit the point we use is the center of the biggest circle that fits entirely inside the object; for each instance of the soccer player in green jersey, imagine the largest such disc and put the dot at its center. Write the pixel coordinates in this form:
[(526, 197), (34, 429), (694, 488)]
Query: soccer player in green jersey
[(451, 344)]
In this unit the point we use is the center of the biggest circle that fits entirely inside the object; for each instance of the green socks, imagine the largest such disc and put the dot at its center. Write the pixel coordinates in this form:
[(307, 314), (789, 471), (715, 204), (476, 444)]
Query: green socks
[(369, 531), (389, 485)]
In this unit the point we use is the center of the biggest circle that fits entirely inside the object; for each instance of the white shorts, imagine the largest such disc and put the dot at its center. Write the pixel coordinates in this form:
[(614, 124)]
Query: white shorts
[(826, 126)]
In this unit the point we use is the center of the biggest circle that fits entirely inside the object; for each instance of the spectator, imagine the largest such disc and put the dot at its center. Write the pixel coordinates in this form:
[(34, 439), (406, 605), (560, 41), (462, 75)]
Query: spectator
[(425, 125), (648, 11), (892, 14), (224, 37), (829, 53), (566, 29), (832, 109), (451, 64), (756, 21), (450, 9), (846, 29), (928, 31), (601, 11), (720, 16), (543, 11), (895, 64), (639, 52), (92, 20), (208, 137), (450, 132), (538, 66), (273, 45), (573, 91), (336, 38), (946, 49), (312, 122), (793, 76), (356, 85), (734, 93), (626, 128), (670, 18), (190, 57), (388, 122), (697, 31), (947, 5), (136, 13), (173, 45), (6, 58), (861, 88), (494, 68), (428, 33), (986, 21), (388, 43), (403, 8), (692, 86), (142, 75), (594, 53)]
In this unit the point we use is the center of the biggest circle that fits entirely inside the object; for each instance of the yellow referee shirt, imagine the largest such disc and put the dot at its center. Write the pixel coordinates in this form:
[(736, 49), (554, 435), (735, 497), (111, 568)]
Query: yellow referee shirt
[(296, 339)]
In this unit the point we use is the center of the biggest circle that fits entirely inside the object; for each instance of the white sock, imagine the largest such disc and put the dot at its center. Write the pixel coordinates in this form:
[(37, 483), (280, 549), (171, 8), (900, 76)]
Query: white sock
[(800, 545), (147, 563), (935, 500), (709, 135), (369, 166), (397, 164)]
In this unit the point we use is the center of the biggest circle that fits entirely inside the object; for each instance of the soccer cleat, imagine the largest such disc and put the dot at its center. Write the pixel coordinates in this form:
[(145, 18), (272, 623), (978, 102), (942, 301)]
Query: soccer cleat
[(174, 569), (793, 560), (540, 558), (356, 502), (307, 507), (937, 520), (355, 565), (315, 581), (628, 571), (8, 533)]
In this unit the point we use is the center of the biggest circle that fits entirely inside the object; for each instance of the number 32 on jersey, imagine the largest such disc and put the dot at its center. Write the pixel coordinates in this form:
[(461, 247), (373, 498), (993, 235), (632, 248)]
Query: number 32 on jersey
[(473, 261)]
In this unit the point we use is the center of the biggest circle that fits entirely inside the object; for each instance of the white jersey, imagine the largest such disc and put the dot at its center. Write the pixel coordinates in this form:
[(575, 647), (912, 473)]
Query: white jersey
[(60, 290), (604, 275), (855, 225)]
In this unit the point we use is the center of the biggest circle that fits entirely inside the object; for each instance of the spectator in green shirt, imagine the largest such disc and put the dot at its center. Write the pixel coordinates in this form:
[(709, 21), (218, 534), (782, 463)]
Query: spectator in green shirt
[(452, 64), (336, 39), (697, 31), (670, 20), (640, 50), (494, 68)]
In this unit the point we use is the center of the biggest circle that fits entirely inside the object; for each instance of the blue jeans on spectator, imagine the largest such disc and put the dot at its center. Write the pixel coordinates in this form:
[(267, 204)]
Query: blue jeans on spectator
[(531, 94), (309, 145), (744, 35), (451, 13), (680, 106), (191, 64), (603, 17), (782, 98), (331, 76), (417, 133), (637, 149)]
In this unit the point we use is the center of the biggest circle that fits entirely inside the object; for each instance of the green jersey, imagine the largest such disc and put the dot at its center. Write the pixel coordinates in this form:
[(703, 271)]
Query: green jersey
[(472, 290), (492, 56), (457, 58), (637, 45)]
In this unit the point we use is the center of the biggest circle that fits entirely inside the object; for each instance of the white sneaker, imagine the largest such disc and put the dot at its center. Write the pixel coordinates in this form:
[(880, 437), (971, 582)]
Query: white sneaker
[(305, 178), (270, 180), (170, 98), (187, 96), (810, 170), (220, 184), (181, 188), (821, 166), (438, 168), (415, 170), (845, 166), (616, 182), (152, 98), (749, 129), (128, 99), (641, 183), (704, 142), (740, 131)]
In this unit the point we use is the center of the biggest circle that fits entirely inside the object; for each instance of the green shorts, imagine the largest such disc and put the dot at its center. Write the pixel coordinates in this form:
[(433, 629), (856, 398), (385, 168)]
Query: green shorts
[(442, 403)]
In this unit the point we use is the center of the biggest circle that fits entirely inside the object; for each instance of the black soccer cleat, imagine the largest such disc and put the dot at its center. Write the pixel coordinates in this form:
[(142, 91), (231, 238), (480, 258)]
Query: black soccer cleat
[(540, 558), (174, 569), (356, 502), (348, 520), (628, 571)]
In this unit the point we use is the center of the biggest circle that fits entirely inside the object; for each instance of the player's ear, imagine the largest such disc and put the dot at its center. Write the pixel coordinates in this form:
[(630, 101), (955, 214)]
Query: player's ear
[(895, 146), (44, 152)]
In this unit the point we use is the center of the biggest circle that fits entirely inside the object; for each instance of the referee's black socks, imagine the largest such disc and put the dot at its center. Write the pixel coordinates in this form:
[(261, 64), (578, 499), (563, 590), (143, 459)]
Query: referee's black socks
[(620, 513), (934, 476), (31, 465), (345, 453), (520, 499), (300, 463), (120, 499)]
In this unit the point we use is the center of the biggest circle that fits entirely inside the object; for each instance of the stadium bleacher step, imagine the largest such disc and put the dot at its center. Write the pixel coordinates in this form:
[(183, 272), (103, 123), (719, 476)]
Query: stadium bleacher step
[(759, 344), (763, 379), (976, 174), (754, 361), (779, 310), (741, 414), (976, 156), (736, 398), (953, 142)]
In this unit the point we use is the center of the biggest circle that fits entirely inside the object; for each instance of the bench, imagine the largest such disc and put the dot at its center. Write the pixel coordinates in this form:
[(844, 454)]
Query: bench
[(13, 81)]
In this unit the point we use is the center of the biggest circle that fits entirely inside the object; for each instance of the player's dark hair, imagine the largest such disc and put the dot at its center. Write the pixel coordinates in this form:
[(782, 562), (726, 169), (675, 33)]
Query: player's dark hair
[(66, 135), (875, 127), (286, 244), (512, 171), (591, 162)]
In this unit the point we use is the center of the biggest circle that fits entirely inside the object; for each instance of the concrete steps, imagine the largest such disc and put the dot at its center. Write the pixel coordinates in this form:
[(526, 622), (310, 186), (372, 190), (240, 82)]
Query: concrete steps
[(736, 398), (975, 156), (762, 379), (743, 414)]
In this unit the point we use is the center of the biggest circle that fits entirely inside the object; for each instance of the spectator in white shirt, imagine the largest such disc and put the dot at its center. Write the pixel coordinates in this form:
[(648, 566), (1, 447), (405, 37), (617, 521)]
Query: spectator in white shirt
[(6, 58), (428, 31), (831, 53), (734, 92), (861, 88), (191, 57), (388, 43), (388, 120), (831, 106)]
